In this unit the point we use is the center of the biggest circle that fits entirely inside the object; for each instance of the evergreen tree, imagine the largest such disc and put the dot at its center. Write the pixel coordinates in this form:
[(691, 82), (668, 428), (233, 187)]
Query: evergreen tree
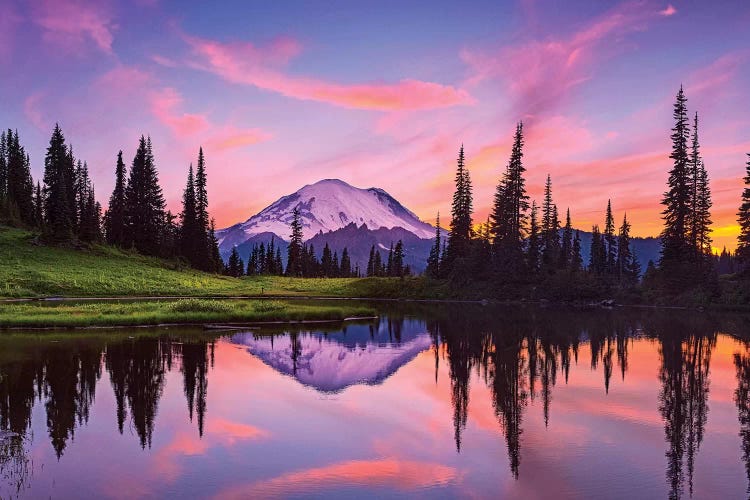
[(397, 264), (371, 263), (346, 264), (235, 266), (508, 217), (433, 261), (377, 265), (218, 264), (19, 188), (702, 215), (598, 256), (294, 256), (144, 202), (114, 221), (550, 230), (192, 240), (533, 252), (743, 218), (566, 250), (624, 255), (326, 262), (58, 212), (610, 240), (674, 238), (336, 267), (459, 239)]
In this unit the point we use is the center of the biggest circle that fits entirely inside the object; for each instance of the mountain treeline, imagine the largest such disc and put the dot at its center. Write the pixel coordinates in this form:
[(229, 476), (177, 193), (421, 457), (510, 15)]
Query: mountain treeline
[(63, 206), (527, 246)]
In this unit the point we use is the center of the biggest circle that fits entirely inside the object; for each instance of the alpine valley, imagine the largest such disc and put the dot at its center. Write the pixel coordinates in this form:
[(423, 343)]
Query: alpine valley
[(343, 216)]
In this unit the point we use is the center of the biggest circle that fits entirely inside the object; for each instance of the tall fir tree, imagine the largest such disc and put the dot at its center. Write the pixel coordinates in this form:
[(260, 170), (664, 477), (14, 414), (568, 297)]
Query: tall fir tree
[(508, 216), (397, 265), (624, 253), (462, 208), (576, 262), (294, 252), (534, 243), (3, 172), (193, 242), (566, 249), (598, 253), (702, 215), (550, 230), (58, 213), (675, 248), (216, 260), (610, 240), (20, 187), (346, 264), (144, 202), (114, 220), (204, 249), (433, 261)]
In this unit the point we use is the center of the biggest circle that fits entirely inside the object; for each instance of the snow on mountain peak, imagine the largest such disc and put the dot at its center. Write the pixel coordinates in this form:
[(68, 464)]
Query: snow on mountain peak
[(328, 205)]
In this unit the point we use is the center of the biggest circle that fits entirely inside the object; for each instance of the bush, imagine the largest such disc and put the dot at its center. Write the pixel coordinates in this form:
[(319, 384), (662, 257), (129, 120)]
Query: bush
[(201, 305)]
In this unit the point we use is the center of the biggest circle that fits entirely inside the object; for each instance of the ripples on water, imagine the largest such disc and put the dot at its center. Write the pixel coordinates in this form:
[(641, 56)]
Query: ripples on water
[(427, 401)]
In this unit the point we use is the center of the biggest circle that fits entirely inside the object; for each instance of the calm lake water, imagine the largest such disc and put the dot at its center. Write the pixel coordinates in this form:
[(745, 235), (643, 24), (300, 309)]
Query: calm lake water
[(427, 401)]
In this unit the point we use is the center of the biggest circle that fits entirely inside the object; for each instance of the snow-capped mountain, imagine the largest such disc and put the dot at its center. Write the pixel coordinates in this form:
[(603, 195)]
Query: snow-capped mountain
[(333, 362), (325, 206)]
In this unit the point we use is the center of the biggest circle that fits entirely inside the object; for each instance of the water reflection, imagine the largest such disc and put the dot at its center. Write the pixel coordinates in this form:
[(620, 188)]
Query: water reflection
[(510, 361)]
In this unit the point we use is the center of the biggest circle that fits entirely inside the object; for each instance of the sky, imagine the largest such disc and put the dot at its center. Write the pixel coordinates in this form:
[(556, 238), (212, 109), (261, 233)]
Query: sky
[(283, 94)]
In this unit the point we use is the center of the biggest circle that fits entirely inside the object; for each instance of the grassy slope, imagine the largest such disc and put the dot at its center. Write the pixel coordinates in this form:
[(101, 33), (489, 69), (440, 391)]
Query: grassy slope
[(31, 270), (69, 314)]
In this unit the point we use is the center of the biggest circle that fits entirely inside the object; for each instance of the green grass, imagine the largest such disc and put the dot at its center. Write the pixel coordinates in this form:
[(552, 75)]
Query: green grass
[(28, 269), (154, 312)]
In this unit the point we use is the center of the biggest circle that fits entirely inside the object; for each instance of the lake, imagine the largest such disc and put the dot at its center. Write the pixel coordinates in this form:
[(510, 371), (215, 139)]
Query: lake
[(441, 400)]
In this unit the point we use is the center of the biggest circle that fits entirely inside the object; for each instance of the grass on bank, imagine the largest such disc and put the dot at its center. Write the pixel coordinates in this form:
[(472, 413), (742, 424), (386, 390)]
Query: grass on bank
[(28, 269), (154, 312)]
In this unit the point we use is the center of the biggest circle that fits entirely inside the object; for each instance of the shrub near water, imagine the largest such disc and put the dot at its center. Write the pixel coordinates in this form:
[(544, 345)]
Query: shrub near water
[(202, 306)]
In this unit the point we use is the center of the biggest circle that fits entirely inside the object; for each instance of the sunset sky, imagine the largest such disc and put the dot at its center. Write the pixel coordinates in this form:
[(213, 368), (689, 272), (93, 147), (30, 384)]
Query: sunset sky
[(281, 94)]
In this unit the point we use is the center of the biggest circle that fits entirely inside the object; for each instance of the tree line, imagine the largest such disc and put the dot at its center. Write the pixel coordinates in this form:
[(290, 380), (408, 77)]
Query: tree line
[(63, 207), (523, 243)]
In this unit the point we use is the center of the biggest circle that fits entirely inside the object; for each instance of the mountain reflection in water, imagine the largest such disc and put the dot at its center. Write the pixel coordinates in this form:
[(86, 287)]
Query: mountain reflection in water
[(427, 400)]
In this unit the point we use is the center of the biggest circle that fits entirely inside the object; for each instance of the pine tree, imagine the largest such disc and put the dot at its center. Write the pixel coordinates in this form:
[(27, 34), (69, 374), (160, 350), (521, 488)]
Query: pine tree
[(460, 236), (566, 250), (694, 166), (389, 265), (19, 190), (433, 261), (397, 264), (550, 229), (624, 256), (336, 267), (346, 264), (508, 217), (702, 215), (294, 257), (216, 260), (58, 211), (203, 249), (114, 221), (676, 201), (371, 263), (378, 266), (192, 241), (598, 254), (326, 262), (610, 240), (235, 266), (279, 266), (743, 218), (533, 252), (144, 202)]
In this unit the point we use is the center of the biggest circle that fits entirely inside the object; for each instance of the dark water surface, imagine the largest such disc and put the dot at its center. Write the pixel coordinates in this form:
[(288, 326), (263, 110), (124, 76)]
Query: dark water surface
[(427, 401)]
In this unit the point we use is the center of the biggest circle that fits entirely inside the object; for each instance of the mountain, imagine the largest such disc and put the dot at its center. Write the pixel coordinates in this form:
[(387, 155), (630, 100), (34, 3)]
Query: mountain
[(327, 205), (331, 362)]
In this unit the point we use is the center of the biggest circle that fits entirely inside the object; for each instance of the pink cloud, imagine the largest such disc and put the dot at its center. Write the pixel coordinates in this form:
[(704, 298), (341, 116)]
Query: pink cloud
[(540, 73), (123, 78), (164, 106), (72, 23), (668, 11), (247, 64), (32, 109)]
